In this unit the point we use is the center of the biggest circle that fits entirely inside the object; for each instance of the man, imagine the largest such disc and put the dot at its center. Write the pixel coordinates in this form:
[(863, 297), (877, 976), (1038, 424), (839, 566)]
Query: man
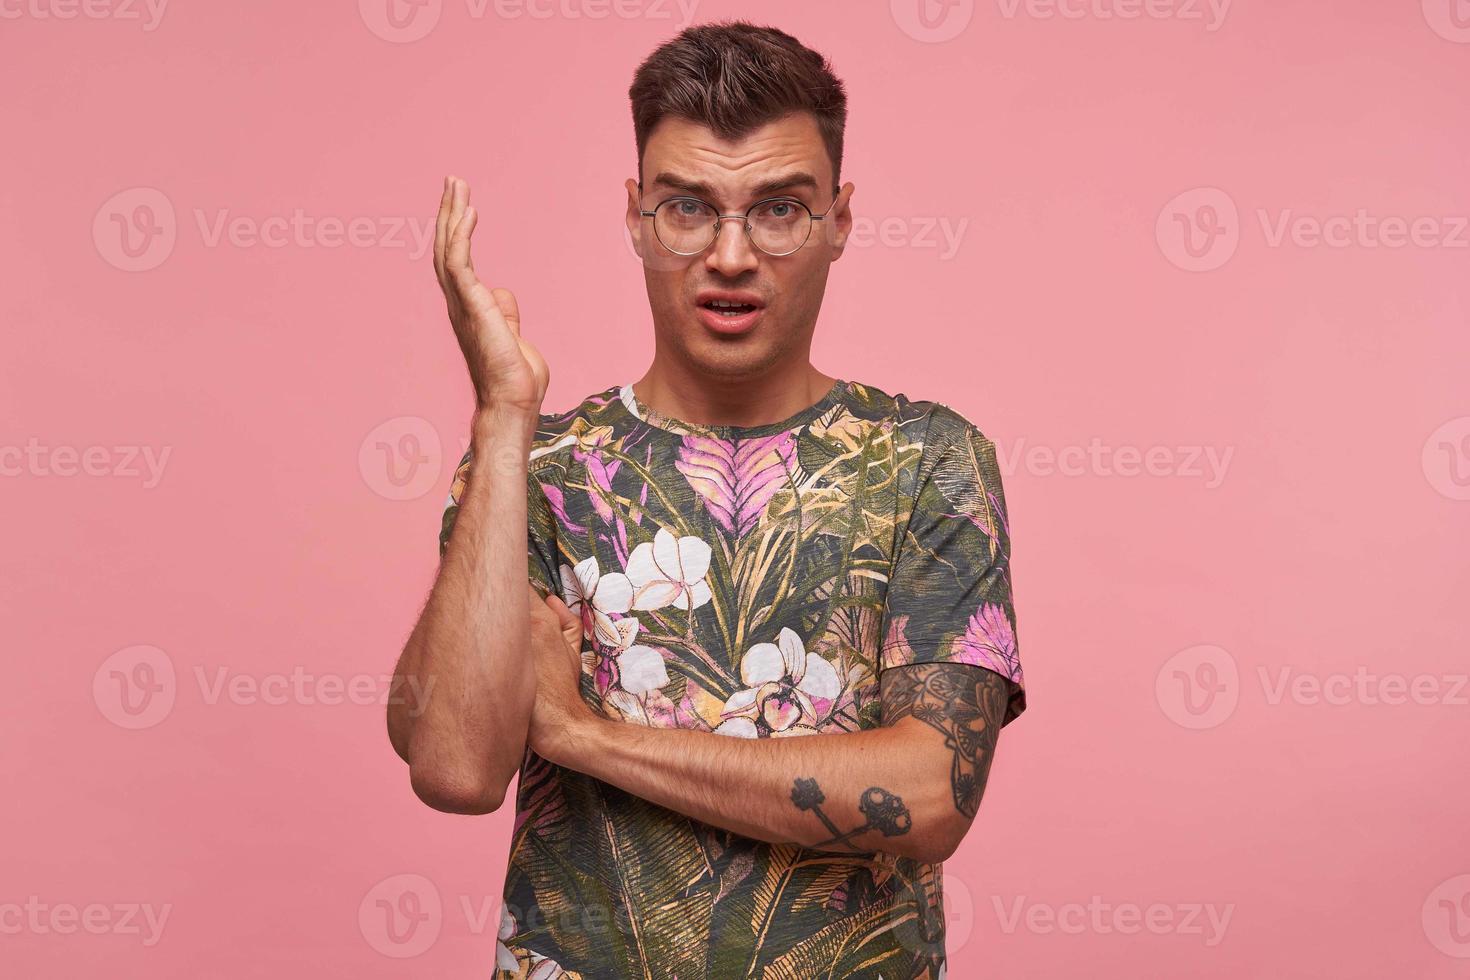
[(734, 550)]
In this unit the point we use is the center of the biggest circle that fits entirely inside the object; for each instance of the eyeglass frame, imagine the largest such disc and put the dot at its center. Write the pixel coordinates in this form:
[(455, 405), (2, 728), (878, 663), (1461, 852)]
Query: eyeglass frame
[(744, 221)]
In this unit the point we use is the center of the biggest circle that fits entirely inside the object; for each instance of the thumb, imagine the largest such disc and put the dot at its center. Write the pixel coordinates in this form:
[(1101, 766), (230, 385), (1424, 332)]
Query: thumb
[(510, 310), (571, 624)]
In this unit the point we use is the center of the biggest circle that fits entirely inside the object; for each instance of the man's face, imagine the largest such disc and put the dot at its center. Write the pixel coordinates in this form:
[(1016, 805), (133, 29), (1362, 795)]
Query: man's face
[(780, 296)]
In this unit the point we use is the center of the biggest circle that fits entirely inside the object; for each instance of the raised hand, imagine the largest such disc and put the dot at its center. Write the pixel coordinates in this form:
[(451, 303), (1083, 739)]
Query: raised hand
[(507, 372)]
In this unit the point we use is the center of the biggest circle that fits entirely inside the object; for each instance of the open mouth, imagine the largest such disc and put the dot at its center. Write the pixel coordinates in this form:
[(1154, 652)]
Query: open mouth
[(727, 309)]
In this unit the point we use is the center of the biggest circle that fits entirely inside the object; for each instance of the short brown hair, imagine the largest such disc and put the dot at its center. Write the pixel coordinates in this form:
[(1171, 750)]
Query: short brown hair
[(735, 77)]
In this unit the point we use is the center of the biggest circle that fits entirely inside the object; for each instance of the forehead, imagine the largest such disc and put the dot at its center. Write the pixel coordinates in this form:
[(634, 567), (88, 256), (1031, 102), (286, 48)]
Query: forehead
[(691, 150)]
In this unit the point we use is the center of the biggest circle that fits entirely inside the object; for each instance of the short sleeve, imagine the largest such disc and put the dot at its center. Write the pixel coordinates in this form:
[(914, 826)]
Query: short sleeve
[(540, 527), (949, 596)]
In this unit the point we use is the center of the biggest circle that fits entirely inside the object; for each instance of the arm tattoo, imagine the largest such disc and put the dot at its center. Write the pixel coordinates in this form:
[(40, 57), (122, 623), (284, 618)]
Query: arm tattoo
[(885, 812), (965, 703)]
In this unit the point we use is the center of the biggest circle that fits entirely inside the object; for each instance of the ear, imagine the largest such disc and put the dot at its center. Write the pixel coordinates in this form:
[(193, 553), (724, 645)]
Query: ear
[(634, 218), (840, 218)]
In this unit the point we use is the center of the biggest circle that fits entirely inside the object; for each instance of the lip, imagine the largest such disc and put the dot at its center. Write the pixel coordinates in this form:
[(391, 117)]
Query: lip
[(730, 325)]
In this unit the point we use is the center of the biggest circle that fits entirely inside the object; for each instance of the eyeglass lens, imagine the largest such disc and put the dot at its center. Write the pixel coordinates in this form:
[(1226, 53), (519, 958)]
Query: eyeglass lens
[(688, 226)]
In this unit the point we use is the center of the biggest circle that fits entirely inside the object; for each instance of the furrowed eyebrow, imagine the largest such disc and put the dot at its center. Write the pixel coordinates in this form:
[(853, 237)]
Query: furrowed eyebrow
[(688, 186), (766, 188), (785, 182)]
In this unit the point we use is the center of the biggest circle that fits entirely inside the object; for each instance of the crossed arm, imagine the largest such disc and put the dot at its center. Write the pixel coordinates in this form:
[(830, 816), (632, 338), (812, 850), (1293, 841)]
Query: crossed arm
[(909, 787)]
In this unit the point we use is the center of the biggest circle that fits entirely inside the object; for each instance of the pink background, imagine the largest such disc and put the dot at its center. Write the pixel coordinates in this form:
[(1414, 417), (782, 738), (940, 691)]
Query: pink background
[(311, 402)]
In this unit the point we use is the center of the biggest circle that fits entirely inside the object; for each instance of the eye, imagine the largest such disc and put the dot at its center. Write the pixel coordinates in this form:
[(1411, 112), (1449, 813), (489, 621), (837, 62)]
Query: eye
[(780, 212), (688, 209)]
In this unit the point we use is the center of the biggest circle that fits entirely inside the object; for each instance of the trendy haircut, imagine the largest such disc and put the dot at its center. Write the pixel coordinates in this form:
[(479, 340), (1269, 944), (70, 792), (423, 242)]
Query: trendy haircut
[(735, 77)]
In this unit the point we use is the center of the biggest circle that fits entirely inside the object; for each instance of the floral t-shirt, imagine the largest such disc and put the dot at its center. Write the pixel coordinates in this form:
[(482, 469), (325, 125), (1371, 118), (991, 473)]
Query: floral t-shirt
[(752, 582)]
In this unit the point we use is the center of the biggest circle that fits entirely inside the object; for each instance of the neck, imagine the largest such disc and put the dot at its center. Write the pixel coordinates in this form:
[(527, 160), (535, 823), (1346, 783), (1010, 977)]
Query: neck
[(705, 399)]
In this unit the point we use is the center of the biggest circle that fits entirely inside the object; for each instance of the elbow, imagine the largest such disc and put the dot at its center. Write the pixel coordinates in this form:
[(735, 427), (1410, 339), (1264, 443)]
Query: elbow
[(940, 849), (945, 832), (935, 848), (398, 735), (456, 791)]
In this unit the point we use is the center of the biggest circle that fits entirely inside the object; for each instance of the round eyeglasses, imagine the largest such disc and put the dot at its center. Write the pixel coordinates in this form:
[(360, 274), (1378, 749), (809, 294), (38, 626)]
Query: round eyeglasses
[(778, 226)]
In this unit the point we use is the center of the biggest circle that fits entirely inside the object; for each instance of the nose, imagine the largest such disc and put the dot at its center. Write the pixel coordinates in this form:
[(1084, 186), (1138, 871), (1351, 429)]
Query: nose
[(732, 252)]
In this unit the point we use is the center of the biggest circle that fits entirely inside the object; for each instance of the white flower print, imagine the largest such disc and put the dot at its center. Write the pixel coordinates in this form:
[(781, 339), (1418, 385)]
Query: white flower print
[(542, 967), (781, 679), (504, 958), (641, 669), (594, 597), (668, 570)]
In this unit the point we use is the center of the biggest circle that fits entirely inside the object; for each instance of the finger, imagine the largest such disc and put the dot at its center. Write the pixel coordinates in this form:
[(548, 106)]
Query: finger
[(441, 230), (459, 201), (563, 613), (509, 309), (469, 255), (572, 637), (541, 615), (458, 262)]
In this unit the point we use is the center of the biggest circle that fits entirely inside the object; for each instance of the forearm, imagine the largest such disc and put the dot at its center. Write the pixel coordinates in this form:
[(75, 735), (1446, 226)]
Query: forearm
[(464, 693), (885, 789)]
